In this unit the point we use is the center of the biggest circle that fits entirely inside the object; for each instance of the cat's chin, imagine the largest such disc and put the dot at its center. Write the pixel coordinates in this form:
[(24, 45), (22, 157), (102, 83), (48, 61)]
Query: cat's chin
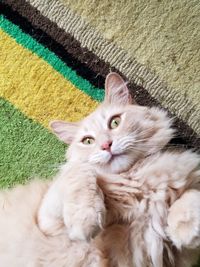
[(118, 163)]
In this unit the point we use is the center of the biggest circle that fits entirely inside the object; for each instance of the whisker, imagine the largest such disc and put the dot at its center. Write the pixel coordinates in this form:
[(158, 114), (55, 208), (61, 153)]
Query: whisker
[(141, 140), (161, 146), (136, 149)]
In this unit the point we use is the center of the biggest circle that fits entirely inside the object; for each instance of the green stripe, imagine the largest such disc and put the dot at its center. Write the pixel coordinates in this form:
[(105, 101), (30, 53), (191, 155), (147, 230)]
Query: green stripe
[(28, 42), (27, 149)]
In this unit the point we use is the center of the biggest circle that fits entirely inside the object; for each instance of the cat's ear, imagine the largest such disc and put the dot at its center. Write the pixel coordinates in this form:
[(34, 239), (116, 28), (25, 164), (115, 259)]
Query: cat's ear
[(116, 90), (65, 131)]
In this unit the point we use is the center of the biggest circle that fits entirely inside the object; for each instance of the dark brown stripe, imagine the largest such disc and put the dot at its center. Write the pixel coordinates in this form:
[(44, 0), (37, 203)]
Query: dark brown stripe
[(70, 50), (16, 17)]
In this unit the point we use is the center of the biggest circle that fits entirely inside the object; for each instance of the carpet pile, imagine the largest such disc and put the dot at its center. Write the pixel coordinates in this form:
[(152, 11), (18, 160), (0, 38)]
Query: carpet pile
[(55, 55)]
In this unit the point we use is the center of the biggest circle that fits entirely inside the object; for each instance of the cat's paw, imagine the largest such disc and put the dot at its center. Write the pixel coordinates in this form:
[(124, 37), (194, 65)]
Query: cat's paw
[(184, 220), (84, 223), (50, 225)]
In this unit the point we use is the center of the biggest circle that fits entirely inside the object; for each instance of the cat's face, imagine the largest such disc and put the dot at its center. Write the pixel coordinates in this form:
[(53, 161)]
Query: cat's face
[(117, 133)]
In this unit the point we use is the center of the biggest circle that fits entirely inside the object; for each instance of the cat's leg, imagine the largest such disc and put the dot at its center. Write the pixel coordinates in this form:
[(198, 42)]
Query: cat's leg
[(49, 215), (84, 209), (184, 220), (60, 251), (75, 201)]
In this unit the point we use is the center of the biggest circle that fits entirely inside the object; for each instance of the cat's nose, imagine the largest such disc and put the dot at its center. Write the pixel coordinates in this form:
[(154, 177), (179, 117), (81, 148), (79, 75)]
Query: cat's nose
[(106, 146)]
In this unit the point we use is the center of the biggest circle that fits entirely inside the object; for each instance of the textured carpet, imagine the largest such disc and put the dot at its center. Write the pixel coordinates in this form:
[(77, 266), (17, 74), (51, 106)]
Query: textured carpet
[(55, 55), (162, 35), (54, 58)]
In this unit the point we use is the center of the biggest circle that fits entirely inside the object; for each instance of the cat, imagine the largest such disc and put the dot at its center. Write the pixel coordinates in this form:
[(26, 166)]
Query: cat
[(117, 138), (120, 200)]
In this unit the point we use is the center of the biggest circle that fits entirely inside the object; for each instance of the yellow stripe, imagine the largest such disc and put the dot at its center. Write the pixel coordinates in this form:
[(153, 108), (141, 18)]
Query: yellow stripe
[(34, 87)]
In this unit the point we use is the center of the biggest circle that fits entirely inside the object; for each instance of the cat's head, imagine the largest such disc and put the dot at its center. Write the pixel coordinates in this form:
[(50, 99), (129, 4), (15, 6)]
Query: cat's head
[(117, 133)]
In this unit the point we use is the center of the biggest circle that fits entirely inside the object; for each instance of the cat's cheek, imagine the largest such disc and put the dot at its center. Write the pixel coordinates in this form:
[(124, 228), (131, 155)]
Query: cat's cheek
[(77, 153)]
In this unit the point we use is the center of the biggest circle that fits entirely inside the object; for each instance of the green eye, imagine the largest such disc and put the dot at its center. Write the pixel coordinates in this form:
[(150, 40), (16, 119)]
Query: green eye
[(114, 122), (88, 140)]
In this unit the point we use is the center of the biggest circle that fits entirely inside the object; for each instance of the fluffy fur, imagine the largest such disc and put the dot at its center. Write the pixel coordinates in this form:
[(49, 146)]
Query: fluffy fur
[(142, 204), (22, 244)]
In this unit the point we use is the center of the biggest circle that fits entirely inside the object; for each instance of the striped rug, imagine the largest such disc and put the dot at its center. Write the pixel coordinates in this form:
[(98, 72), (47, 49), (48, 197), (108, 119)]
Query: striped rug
[(52, 66)]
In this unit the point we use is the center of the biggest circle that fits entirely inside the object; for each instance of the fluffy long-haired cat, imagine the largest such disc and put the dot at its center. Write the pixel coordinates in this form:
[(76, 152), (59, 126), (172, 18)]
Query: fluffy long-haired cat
[(119, 201)]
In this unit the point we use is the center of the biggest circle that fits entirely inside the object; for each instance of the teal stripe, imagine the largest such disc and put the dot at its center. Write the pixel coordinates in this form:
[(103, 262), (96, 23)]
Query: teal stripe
[(28, 42)]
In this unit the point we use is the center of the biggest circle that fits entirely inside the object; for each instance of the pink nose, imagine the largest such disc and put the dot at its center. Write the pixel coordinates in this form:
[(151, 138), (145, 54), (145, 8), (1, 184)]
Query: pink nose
[(106, 146)]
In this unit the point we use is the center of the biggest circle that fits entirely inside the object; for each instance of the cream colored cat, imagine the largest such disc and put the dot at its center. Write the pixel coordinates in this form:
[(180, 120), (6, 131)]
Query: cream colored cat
[(117, 178)]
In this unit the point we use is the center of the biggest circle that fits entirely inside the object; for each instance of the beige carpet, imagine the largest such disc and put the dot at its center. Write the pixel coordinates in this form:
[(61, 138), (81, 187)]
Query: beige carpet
[(164, 36)]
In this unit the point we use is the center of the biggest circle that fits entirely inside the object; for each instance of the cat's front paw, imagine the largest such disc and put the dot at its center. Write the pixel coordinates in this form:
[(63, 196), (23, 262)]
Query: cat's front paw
[(83, 223), (50, 225), (184, 220)]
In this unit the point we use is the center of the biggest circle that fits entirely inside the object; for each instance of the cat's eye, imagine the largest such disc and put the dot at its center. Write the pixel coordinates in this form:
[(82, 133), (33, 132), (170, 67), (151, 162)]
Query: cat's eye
[(114, 122), (88, 140)]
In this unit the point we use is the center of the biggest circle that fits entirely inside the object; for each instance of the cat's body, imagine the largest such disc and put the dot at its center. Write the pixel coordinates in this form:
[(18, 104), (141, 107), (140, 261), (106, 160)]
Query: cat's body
[(163, 210), (22, 244), (144, 215), (118, 178)]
